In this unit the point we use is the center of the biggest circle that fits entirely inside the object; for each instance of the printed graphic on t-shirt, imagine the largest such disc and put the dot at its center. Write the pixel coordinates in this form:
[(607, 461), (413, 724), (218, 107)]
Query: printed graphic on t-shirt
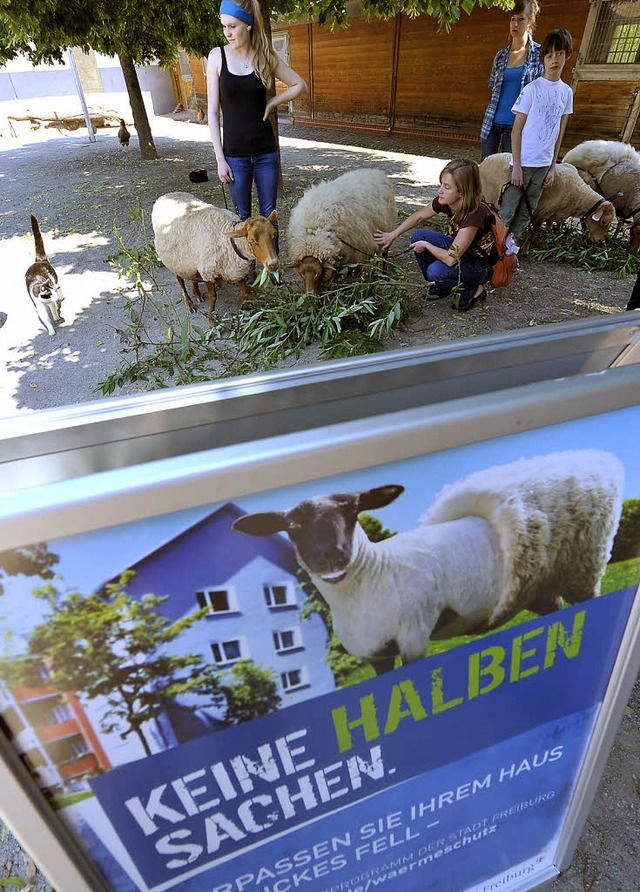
[(551, 110), (544, 104)]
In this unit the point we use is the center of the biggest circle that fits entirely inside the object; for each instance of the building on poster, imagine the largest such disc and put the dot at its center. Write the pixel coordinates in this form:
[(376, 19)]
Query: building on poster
[(53, 734), (253, 603)]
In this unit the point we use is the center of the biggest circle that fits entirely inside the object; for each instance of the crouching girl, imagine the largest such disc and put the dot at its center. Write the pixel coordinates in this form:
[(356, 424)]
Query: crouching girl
[(449, 260)]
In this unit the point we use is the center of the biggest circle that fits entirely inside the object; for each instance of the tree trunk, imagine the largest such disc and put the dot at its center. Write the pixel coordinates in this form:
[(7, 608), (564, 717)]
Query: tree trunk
[(140, 120), (143, 741)]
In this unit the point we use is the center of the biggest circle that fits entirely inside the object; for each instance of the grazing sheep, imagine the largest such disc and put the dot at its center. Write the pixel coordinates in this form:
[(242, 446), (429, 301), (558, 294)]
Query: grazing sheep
[(197, 242), (568, 196), (334, 221), (613, 170), (523, 535)]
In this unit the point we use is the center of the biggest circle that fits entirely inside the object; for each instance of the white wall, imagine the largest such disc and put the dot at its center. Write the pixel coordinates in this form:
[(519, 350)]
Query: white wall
[(33, 84)]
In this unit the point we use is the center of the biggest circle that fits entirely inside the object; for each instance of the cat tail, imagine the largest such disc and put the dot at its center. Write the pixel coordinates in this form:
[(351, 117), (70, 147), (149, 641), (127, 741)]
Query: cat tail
[(41, 254)]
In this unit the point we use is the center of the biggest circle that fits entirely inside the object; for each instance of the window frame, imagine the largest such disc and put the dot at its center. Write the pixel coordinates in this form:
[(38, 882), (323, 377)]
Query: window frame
[(290, 591), (297, 640), (243, 651), (298, 686), (597, 71), (232, 599)]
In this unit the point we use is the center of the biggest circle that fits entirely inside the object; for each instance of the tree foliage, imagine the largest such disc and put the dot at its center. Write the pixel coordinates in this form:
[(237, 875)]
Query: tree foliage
[(32, 560), (143, 31), (626, 544), (134, 32), (154, 29), (333, 13), (250, 692), (111, 645)]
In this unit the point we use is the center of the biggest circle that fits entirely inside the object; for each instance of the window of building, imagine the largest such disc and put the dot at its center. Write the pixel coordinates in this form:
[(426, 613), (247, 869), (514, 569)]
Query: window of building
[(280, 595), (226, 653), (217, 600), (612, 36), (625, 45), (287, 639), (79, 747), (60, 713), (294, 679)]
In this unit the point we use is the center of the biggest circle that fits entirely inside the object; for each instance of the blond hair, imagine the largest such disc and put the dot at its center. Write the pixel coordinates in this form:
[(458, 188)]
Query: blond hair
[(262, 55), (466, 178)]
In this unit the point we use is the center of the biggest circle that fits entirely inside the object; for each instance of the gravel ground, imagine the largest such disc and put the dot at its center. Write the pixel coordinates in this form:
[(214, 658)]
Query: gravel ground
[(79, 190)]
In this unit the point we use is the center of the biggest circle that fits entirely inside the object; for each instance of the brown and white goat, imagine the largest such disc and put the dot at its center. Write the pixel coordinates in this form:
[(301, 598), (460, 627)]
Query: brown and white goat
[(200, 242)]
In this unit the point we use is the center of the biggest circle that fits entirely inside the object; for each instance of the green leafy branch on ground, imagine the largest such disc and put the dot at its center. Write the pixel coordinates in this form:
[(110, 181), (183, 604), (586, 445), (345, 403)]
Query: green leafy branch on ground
[(565, 244), (185, 353), (362, 307)]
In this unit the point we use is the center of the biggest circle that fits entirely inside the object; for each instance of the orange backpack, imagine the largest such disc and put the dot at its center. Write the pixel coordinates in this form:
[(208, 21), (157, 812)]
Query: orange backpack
[(493, 246)]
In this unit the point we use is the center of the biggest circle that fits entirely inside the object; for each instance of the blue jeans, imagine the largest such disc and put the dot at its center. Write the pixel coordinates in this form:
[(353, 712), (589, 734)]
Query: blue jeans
[(499, 140), (474, 270), (261, 169)]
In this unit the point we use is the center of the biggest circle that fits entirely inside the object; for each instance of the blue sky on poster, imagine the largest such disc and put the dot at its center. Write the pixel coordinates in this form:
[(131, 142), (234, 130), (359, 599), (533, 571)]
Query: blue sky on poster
[(88, 559)]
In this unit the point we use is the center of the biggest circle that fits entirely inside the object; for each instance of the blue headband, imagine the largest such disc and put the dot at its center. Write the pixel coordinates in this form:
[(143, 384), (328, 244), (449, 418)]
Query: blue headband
[(228, 7)]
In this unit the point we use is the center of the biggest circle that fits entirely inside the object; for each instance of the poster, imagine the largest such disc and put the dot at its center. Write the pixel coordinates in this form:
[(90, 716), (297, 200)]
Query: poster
[(173, 685)]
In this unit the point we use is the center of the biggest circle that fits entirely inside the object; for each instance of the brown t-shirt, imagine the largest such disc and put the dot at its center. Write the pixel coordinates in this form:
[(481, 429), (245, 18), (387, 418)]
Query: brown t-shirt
[(481, 217)]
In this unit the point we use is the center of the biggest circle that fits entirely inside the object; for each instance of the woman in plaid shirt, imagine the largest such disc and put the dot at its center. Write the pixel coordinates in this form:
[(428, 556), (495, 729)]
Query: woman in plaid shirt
[(514, 66)]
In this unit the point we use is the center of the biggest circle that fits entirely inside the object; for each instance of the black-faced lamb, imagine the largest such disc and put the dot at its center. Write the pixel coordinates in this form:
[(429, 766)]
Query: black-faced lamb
[(613, 170), (334, 221), (203, 243), (568, 196), (523, 535)]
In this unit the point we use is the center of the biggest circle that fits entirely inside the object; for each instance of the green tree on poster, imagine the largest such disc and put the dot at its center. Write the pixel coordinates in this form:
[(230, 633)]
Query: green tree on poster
[(32, 560), (250, 691), (111, 645), (626, 544)]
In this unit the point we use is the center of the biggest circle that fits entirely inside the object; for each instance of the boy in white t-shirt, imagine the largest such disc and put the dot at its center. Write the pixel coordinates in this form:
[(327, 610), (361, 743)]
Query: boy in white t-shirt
[(542, 110)]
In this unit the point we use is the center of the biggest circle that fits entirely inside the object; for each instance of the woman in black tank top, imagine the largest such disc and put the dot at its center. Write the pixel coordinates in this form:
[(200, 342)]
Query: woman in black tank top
[(238, 77)]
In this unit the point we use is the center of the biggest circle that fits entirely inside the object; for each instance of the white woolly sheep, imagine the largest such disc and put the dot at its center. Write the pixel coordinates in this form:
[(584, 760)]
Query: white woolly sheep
[(613, 170), (523, 535), (568, 196), (334, 221), (197, 242)]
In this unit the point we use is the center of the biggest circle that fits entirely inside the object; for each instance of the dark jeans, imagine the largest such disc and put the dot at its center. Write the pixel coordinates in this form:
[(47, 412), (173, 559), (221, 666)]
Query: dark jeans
[(634, 300), (259, 169), (499, 140), (474, 270)]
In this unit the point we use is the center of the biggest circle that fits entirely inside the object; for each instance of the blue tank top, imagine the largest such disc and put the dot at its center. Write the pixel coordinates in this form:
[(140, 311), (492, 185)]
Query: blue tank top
[(509, 92)]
